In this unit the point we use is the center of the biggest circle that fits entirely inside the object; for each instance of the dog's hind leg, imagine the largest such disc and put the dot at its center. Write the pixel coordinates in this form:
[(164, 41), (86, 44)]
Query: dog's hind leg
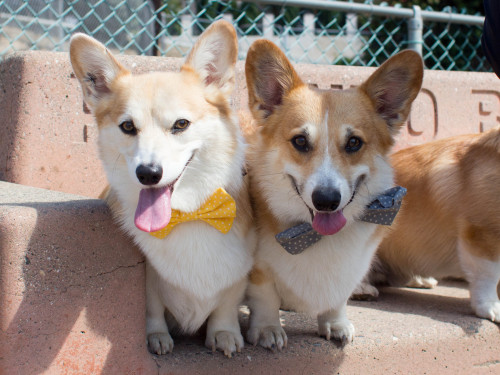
[(483, 274), (223, 328), (365, 292), (421, 282)]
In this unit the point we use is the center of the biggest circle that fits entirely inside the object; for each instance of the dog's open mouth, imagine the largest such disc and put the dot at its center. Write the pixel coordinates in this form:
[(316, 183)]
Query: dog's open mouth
[(329, 223), (154, 209)]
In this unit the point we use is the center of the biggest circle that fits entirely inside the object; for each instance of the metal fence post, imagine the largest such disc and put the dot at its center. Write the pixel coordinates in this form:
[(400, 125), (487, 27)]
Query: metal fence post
[(309, 22), (187, 26), (415, 27), (268, 25), (351, 25)]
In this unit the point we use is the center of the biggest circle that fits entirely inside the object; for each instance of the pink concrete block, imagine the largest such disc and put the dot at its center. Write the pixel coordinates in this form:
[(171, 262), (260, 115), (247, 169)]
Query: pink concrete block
[(72, 302), (48, 141), (72, 287)]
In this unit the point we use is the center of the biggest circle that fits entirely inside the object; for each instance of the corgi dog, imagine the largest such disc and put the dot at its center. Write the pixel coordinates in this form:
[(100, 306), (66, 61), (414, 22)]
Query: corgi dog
[(318, 158), (174, 154), (449, 223)]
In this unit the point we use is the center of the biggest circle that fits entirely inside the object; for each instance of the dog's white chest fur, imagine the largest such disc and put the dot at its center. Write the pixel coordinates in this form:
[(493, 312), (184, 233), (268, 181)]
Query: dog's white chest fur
[(197, 258), (197, 264), (323, 276)]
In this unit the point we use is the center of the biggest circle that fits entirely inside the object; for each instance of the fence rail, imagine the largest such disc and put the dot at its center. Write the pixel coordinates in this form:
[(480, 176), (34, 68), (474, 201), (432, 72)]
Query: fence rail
[(378, 10), (314, 31)]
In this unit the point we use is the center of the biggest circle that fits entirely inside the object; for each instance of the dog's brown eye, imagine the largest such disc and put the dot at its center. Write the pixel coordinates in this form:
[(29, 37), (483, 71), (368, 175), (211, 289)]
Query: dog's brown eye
[(300, 143), (180, 125), (353, 144), (128, 127)]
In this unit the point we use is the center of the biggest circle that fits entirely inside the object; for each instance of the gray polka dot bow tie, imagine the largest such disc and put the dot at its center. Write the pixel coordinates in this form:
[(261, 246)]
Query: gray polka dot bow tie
[(381, 211)]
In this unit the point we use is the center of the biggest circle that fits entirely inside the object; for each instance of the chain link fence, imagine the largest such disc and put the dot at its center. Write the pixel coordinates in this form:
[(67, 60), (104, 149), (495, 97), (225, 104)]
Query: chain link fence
[(320, 32)]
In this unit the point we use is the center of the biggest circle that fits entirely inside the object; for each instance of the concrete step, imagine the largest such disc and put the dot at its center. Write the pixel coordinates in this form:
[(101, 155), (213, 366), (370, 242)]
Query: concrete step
[(72, 302)]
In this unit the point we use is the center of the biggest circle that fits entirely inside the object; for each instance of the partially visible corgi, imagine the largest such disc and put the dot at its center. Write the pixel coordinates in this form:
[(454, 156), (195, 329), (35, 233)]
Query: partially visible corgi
[(449, 223), (318, 159), (172, 149)]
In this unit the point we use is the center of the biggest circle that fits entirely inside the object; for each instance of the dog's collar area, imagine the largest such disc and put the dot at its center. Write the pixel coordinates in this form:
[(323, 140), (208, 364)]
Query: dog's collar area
[(382, 210), (219, 211)]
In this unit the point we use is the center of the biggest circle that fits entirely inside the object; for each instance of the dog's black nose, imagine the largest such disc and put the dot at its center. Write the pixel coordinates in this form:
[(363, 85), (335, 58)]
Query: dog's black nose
[(149, 174), (326, 199)]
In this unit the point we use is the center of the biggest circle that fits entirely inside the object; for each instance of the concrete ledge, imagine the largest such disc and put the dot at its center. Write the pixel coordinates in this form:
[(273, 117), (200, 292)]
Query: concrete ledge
[(72, 301), (49, 142), (72, 287)]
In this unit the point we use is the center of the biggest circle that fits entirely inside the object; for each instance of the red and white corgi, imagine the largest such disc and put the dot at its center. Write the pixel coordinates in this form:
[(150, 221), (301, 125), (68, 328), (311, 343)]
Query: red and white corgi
[(172, 148), (449, 223), (318, 159)]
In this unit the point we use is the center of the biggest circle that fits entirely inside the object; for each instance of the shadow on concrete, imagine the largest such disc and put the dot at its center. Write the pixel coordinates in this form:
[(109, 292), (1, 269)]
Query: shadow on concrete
[(82, 308), (448, 303), (81, 283)]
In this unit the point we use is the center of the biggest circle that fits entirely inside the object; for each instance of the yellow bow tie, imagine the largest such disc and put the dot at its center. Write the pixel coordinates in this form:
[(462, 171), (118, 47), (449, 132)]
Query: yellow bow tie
[(219, 211)]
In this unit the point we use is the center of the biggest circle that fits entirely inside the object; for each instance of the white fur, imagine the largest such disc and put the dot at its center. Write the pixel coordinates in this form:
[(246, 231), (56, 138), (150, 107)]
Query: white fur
[(320, 280), (195, 273), (323, 276), (483, 276), (196, 264)]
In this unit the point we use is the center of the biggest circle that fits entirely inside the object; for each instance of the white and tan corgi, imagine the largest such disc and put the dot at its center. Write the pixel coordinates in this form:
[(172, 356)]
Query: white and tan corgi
[(318, 158), (449, 222), (172, 149)]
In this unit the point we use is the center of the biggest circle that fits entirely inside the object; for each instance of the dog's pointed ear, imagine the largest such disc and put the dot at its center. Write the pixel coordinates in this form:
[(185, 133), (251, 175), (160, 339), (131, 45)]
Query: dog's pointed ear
[(94, 66), (270, 77), (394, 86), (214, 56)]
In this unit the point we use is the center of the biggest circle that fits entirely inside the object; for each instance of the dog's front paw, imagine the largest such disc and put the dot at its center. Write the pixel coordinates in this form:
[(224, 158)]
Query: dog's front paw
[(225, 341), (270, 337), (489, 310), (160, 343), (341, 330)]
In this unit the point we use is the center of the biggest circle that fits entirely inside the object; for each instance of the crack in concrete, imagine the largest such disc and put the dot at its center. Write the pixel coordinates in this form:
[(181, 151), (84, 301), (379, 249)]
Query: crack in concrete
[(120, 267), (488, 363), (158, 364)]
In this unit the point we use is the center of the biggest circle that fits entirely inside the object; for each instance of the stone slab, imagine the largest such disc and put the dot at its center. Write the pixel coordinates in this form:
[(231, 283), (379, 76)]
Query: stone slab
[(48, 140), (71, 287), (72, 302)]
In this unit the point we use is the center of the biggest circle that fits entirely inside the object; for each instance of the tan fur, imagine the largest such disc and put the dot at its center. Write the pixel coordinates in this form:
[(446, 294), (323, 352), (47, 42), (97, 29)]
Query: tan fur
[(258, 276), (320, 279), (450, 214)]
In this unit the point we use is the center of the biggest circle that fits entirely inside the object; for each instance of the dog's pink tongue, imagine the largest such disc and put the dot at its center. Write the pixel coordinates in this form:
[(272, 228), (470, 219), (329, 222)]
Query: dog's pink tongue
[(153, 210), (328, 223)]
